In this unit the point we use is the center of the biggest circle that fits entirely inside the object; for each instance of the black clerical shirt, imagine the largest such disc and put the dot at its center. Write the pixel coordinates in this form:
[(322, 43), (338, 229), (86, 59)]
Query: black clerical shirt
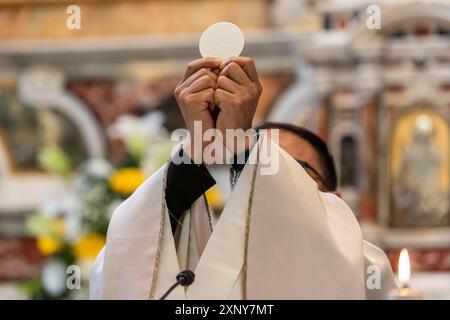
[(186, 182)]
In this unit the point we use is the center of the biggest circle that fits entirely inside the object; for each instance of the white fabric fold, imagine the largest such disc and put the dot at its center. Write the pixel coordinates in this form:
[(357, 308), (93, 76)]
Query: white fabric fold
[(303, 244)]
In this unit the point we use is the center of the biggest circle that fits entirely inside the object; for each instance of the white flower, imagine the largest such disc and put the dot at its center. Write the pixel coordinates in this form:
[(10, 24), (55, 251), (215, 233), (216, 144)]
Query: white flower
[(152, 124), (54, 277), (58, 206), (51, 208), (128, 126), (72, 224), (155, 156), (138, 132), (98, 167)]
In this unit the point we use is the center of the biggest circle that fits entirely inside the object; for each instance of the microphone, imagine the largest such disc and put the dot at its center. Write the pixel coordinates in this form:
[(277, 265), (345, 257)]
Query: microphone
[(184, 278)]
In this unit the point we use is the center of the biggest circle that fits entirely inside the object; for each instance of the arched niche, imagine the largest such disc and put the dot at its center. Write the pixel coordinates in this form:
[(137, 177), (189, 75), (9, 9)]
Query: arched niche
[(348, 161), (41, 92), (415, 185), (43, 87), (298, 104)]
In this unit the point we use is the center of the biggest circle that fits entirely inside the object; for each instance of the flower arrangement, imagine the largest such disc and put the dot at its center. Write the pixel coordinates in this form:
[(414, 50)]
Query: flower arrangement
[(71, 230)]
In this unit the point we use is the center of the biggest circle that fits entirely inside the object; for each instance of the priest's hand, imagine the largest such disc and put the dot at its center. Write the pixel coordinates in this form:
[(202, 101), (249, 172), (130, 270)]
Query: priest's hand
[(195, 97), (237, 95)]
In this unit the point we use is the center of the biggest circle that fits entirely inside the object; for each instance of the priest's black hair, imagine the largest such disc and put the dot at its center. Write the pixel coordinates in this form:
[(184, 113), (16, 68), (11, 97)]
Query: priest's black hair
[(325, 158)]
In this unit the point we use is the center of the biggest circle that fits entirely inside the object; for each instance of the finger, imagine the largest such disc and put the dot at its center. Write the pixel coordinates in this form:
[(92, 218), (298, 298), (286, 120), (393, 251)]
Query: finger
[(195, 65), (221, 96), (247, 64), (206, 95), (225, 83), (198, 74), (236, 73), (200, 84)]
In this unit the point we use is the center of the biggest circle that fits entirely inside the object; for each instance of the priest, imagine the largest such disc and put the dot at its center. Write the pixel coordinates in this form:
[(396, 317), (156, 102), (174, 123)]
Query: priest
[(280, 235)]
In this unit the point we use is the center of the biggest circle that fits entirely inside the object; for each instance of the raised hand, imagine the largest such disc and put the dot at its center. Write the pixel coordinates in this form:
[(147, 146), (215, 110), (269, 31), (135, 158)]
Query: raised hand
[(237, 95), (195, 97)]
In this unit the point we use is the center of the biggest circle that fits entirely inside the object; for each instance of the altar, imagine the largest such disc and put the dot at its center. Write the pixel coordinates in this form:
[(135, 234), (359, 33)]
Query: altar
[(379, 97)]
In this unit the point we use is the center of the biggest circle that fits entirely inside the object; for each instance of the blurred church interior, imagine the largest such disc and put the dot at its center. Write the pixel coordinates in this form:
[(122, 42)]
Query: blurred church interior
[(379, 97)]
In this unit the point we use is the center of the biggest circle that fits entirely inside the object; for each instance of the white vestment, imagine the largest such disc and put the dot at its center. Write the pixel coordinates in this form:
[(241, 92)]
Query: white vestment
[(277, 238)]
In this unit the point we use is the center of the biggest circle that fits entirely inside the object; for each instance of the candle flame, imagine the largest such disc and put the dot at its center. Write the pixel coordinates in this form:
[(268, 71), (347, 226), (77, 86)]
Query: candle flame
[(404, 268)]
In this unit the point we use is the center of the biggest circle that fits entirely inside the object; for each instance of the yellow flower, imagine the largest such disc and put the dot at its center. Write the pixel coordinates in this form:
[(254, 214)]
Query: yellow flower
[(48, 245), (214, 197), (125, 181), (88, 246)]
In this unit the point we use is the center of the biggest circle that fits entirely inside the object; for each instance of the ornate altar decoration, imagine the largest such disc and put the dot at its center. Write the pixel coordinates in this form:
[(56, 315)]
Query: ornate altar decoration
[(381, 98)]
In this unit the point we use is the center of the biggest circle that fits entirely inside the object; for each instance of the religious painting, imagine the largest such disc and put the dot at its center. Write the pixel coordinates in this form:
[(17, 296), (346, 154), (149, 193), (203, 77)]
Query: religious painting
[(419, 170)]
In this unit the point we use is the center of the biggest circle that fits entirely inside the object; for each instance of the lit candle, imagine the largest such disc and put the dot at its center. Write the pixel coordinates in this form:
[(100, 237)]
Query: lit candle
[(404, 276)]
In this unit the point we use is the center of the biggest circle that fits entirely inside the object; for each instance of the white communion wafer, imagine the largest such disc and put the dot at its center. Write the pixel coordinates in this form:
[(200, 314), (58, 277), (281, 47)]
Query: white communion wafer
[(222, 40)]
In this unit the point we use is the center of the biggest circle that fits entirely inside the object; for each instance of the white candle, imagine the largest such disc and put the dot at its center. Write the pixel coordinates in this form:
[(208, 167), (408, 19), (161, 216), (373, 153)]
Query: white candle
[(404, 276)]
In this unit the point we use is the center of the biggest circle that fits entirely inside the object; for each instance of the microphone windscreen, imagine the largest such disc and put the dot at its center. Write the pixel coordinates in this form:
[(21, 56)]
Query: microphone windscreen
[(186, 277)]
